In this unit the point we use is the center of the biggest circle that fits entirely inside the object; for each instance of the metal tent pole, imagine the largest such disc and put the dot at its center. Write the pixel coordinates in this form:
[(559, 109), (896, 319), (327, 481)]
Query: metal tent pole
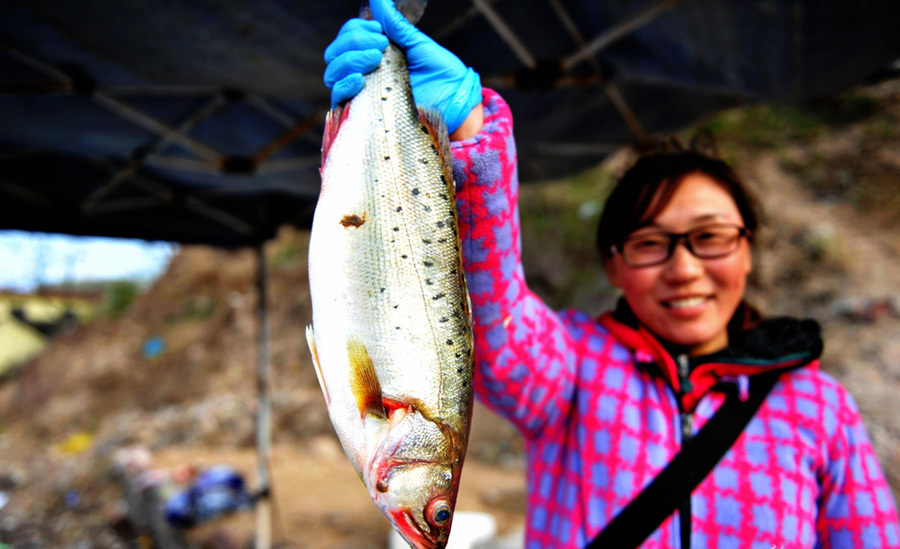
[(263, 411)]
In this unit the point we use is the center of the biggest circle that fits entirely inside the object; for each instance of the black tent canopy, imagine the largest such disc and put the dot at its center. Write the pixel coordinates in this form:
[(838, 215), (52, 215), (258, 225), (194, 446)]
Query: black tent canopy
[(201, 122)]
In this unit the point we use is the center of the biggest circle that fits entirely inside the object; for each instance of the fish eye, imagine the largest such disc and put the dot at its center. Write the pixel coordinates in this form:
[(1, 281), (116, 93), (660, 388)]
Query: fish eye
[(440, 513)]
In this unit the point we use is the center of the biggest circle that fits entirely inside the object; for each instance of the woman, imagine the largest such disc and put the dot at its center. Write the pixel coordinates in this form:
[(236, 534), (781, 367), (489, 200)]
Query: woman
[(604, 404)]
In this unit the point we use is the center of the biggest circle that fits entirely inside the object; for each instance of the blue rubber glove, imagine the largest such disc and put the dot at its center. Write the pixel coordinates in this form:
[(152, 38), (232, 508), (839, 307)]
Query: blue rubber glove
[(440, 81), (355, 51)]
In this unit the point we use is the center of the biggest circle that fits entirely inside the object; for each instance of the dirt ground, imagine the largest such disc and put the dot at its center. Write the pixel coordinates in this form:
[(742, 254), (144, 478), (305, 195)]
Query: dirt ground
[(831, 251)]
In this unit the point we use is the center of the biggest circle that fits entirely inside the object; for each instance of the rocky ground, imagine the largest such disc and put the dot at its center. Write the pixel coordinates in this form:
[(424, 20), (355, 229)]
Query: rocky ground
[(830, 182)]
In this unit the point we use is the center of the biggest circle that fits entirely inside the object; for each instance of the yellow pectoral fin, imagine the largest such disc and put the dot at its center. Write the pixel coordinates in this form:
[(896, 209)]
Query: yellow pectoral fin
[(364, 381), (311, 340)]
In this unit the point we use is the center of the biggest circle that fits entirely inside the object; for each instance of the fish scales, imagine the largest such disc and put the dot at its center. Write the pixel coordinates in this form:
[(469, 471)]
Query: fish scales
[(402, 264), (386, 280)]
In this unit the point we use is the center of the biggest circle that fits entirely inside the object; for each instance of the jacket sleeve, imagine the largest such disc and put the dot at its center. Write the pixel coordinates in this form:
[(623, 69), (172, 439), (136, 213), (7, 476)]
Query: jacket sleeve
[(856, 506), (524, 359)]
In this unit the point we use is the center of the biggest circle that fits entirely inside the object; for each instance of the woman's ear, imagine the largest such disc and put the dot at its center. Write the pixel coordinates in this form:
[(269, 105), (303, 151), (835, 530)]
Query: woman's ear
[(613, 268)]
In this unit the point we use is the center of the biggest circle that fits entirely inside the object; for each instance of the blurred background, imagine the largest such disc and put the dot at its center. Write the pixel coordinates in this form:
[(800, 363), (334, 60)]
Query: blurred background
[(128, 367)]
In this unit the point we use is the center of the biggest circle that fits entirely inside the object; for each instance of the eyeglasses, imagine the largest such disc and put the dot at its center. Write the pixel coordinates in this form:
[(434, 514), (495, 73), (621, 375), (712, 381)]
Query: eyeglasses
[(706, 242)]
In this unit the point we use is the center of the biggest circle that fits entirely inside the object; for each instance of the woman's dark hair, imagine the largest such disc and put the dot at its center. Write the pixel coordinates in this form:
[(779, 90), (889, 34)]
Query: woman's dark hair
[(646, 188)]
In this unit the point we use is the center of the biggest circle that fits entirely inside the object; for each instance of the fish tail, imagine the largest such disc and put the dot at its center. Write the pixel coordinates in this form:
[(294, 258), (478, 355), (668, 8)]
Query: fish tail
[(411, 9)]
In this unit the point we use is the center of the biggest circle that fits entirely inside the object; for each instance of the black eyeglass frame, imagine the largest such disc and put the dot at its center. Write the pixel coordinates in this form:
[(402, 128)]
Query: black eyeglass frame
[(675, 238)]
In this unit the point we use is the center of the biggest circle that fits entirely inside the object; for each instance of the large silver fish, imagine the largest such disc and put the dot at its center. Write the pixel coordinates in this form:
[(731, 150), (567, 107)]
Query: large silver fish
[(391, 337)]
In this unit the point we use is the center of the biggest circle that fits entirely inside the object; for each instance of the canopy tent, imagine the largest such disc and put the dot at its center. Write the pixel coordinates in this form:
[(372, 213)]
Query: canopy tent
[(200, 122)]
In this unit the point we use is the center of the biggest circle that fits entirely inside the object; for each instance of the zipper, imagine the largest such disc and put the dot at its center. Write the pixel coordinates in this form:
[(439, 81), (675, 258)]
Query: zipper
[(687, 432), (687, 418)]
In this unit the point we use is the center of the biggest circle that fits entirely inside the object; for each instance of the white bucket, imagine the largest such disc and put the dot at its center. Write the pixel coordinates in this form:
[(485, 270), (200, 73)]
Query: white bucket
[(470, 530)]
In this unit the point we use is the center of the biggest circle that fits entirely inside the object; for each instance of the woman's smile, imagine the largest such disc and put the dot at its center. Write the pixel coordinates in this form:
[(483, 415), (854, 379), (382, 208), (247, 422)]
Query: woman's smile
[(686, 305)]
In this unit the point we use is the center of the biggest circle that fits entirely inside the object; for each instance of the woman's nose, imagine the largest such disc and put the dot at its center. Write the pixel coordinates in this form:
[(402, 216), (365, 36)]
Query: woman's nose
[(683, 265)]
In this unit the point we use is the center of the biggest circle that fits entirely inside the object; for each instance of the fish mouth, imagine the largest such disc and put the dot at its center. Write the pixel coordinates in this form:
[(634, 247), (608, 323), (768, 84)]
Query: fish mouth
[(413, 526), (410, 531)]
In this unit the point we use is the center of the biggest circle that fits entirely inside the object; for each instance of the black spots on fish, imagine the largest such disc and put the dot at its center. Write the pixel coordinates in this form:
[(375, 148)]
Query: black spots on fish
[(442, 240), (381, 290), (396, 229), (440, 224), (443, 180), (438, 296), (386, 157), (396, 327), (428, 263), (415, 191), (388, 89), (423, 161), (353, 220), (434, 150), (449, 342), (424, 129), (427, 208), (429, 282), (426, 241), (399, 208), (444, 319), (443, 196), (404, 256)]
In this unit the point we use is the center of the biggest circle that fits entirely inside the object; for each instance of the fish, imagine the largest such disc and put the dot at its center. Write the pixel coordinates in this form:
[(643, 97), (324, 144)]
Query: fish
[(391, 332)]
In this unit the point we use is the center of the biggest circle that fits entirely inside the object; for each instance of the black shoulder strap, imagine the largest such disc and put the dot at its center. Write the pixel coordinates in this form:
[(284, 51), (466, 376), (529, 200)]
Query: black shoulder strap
[(660, 498)]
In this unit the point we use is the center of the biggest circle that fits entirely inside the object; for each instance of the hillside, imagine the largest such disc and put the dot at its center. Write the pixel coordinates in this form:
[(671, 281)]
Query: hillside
[(828, 175)]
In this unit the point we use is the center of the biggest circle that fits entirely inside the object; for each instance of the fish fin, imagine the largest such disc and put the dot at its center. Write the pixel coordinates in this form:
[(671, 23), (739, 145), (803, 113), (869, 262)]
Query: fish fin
[(412, 10), (364, 381), (437, 128), (333, 121), (311, 340)]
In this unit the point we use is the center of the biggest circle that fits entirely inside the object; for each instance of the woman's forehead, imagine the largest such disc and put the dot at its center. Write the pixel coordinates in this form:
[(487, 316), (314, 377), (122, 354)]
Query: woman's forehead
[(698, 199)]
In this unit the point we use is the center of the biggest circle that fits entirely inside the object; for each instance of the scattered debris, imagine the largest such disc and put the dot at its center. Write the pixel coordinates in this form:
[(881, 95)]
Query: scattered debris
[(866, 309)]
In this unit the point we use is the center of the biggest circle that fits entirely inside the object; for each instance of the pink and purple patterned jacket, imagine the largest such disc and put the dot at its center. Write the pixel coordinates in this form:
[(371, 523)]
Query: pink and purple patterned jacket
[(604, 407)]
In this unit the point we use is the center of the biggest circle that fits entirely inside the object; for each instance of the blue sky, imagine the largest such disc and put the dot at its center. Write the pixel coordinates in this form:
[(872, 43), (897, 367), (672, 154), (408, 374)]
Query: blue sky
[(29, 259)]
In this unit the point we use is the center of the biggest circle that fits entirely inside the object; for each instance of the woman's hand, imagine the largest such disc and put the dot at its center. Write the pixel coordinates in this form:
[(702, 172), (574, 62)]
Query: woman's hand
[(440, 81), (354, 52)]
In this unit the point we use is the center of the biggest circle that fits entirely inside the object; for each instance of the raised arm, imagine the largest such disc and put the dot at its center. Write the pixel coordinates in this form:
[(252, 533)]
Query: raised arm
[(524, 357)]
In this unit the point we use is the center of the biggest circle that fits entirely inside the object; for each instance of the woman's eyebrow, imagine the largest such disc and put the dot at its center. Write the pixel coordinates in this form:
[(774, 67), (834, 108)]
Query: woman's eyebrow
[(694, 221), (708, 217)]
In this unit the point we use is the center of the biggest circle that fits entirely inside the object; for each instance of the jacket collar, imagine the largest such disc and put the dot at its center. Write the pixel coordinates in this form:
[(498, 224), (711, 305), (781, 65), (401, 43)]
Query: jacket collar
[(756, 345)]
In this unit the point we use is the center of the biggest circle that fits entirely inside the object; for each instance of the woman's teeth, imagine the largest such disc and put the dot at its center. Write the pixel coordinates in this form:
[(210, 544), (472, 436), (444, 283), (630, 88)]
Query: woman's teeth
[(686, 303)]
